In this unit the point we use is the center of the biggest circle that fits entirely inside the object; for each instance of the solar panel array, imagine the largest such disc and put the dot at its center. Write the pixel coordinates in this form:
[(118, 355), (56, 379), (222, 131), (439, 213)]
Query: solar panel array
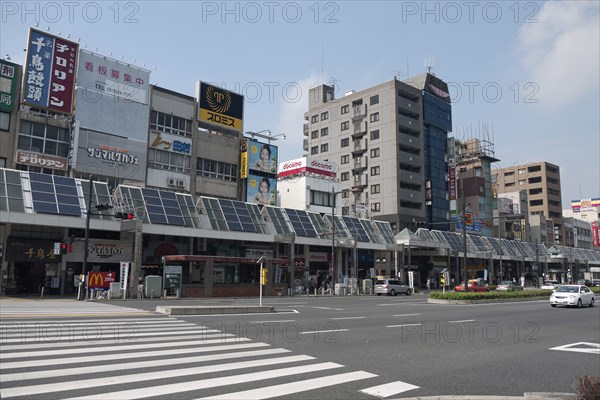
[(54, 194), (479, 244), (454, 240), (371, 231), (162, 207), (256, 217), (279, 222), (188, 210), (509, 248), (320, 225), (386, 231), (237, 215), (301, 223), (340, 228), (11, 195), (214, 212), (493, 243), (356, 229)]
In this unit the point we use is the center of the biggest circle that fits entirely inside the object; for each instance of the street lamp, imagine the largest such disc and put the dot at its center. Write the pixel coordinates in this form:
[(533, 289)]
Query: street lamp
[(333, 193)]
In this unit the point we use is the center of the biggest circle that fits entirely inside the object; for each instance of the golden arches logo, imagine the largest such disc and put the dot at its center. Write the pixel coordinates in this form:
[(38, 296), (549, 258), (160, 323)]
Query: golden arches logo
[(96, 280), (219, 101)]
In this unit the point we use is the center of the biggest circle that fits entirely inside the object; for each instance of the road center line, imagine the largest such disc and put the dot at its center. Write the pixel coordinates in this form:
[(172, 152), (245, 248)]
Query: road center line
[(406, 315), (327, 331), (402, 325), (349, 318), (464, 320)]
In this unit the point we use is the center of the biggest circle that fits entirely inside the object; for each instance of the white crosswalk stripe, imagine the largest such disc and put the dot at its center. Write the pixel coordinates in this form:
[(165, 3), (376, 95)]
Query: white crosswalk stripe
[(165, 357), (10, 309)]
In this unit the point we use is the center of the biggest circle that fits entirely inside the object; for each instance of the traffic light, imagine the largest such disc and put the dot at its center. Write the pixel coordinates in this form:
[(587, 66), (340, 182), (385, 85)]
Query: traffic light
[(443, 280), (263, 276), (124, 215), (103, 207), (64, 248), (468, 218)]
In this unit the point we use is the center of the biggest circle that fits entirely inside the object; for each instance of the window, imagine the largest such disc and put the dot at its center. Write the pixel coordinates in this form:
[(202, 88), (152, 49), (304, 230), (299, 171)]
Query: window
[(4, 121), (314, 150), (376, 207), (345, 125), (375, 134), (169, 161), (324, 131), (169, 123), (345, 142), (375, 189), (314, 134), (320, 198), (324, 115), (345, 194), (216, 169), (374, 117), (345, 109), (375, 170), (314, 119), (345, 159), (522, 171), (375, 153), (345, 210), (522, 182), (374, 100), (324, 147), (41, 138), (2, 162), (345, 176)]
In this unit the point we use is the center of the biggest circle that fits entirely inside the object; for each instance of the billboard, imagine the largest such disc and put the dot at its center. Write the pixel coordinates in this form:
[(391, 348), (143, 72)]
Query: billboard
[(8, 85), (262, 157), (584, 204), (103, 75), (261, 190), (109, 155), (307, 164), (49, 75), (220, 107)]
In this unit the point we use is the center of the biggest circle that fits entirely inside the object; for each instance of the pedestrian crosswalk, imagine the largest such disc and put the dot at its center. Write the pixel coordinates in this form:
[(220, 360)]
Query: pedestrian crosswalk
[(162, 357), (28, 309)]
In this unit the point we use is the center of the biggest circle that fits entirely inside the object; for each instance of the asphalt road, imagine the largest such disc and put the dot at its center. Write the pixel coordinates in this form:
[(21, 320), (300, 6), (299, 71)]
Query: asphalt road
[(361, 346)]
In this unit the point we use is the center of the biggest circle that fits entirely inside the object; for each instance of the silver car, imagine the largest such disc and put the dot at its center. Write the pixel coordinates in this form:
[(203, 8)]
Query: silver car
[(391, 287)]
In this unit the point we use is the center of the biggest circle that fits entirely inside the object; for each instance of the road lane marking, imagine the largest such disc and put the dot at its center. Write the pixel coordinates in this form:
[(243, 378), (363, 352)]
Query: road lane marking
[(399, 326), (348, 318), (389, 389), (591, 348), (458, 322), (284, 389), (406, 315), (272, 321), (326, 331)]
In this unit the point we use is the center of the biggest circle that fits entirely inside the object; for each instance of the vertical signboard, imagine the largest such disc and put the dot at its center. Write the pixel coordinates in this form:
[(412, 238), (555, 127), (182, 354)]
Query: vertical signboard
[(452, 179), (8, 84), (595, 234), (220, 107), (49, 76), (244, 159)]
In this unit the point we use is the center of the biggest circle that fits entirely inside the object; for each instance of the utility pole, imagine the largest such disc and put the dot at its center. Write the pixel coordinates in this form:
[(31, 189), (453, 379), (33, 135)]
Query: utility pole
[(332, 235), (87, 238)]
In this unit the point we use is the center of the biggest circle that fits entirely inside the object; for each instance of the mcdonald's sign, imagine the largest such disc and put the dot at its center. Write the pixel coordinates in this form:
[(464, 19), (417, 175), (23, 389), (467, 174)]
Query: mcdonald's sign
[(102, 280)]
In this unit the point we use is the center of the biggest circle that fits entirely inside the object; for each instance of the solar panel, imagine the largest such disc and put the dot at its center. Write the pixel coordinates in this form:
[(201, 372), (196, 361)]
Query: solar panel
[(340, 228), (319, 223), (493, 243), (188, 210), (279, 222), (509, 248), (162, 207), (215, 214), (37, 177), (54, 194), (454, 240), (256, 218), (356, 229), (237, 215), (301, 223), (42, 207), (386, 231), (371, 232), (479, 244)]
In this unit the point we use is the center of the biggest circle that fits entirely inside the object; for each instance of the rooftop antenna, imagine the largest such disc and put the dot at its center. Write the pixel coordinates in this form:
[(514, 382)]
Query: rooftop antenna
[(333, 81), (398, 74), (429, 63), (322, 62)]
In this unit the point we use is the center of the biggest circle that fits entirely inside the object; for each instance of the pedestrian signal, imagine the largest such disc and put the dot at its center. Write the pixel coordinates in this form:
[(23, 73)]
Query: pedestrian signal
[(64, 248), (124, 215)]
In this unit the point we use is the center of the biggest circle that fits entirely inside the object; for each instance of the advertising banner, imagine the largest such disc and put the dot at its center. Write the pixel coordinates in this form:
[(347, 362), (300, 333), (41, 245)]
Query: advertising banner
[(595, 234), (8, 86), (584, 204), (262, 157), (49, 76), (452, 179), (103, 75), (110, 155), (41, 160), (100, 280), (261, 190), (220, 107)]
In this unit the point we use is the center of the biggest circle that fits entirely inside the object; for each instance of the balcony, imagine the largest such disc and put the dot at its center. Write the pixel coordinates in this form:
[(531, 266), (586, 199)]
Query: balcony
[(360, 146), (359, 111), (305, 130), (360, 164), (305, 145), (360, 181), (360, 129)]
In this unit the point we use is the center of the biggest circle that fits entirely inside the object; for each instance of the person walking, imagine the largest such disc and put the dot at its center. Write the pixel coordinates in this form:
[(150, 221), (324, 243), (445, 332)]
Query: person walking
[(141, 288)]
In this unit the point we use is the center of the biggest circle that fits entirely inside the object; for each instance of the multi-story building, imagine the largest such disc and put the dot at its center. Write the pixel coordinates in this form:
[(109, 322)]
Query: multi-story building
[(542, 182), (11, 76), (586, 210), (386, 158)]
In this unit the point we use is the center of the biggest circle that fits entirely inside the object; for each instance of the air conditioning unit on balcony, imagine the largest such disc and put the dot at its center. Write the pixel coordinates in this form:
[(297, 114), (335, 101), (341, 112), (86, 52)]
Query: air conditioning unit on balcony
[(180, 183), (171, 181)]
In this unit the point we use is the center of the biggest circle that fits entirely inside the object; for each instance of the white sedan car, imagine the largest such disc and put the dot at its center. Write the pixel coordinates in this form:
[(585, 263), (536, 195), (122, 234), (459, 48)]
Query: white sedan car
[(550, 285), (572, 295)]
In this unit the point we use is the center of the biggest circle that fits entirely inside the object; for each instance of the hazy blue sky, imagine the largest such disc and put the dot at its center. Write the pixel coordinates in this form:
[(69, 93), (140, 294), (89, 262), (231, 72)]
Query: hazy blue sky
[(523, 75)]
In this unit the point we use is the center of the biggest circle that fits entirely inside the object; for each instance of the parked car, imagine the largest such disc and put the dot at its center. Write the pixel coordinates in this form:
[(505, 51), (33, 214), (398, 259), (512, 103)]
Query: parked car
[(585, 282), (506, 286), (596, 282), (475, 285), (572, 295), (550, 285), (391, 287)]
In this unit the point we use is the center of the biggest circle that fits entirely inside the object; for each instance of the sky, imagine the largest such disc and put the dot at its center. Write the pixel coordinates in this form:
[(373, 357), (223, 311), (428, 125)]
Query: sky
[(524, 76)]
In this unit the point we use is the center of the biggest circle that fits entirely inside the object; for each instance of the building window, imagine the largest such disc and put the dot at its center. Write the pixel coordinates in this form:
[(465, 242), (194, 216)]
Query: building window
[(522, 171), (314, 119), (4, 121), (314, 134), (320, 198), (374, 100), (345, 142), (376, 207), (534, 203), (169, 123), (41, 138), (375, 171), (324, 115), (345, 194), (375, 134), (345, 176), (375, 189), (522, 182), (345, 125), (374, 117), (375, 153), (324, 132), (169, 161), (216, 169), (345, 159), (314, 150), (345, 109), (324, 147)]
